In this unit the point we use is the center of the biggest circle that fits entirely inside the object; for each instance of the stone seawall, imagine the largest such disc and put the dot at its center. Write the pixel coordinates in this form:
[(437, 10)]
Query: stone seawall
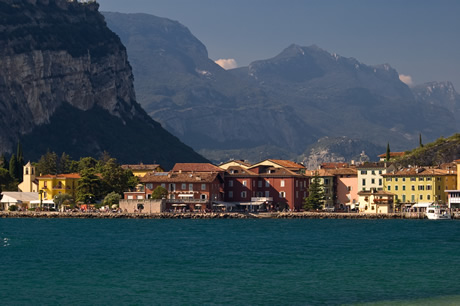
[(281, 215)]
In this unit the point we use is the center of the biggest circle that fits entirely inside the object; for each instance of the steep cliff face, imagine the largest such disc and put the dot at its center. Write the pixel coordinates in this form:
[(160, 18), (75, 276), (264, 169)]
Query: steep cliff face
[(60, 53)]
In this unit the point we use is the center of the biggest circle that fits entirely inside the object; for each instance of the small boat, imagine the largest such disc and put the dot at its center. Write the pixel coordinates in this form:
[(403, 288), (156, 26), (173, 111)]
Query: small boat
[(438, 212)]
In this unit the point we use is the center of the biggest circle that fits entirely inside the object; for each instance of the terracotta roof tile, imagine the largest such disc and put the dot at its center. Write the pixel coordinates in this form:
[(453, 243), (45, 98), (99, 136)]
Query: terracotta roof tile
[(67, 175), (176, 177), (196, 167)]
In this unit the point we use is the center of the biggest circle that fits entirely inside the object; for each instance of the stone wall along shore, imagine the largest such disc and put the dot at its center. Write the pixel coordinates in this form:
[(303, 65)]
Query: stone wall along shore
[(278, 215)]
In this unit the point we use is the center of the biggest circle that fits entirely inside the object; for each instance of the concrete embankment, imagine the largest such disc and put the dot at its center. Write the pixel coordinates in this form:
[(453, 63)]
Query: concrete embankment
[(278, 215)]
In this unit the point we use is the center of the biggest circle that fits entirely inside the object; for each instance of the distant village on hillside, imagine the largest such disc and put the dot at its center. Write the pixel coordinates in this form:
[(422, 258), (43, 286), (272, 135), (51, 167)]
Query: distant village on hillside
[(269, 185)]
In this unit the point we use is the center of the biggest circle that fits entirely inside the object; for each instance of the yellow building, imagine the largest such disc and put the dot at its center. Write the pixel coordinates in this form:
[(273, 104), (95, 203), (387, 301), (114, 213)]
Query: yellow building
[(29, 182), (141, 170), (376, 201), (52, 185), (418, 185)]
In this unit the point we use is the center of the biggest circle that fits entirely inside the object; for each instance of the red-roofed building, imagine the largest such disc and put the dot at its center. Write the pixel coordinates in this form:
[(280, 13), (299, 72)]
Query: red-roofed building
[(196, 167), (51, 185), (266, 185)]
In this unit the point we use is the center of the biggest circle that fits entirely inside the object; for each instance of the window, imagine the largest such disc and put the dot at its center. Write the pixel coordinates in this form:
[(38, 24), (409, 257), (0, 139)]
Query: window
[(428, 187), (245, 183), (412, 179), (403, 198), (404, 187), (421, 197), (149, 186), (363, 172), (130, 197), (27, 170), (428, 197), (282, 183), (396, 188), (380, 182), (389, 188), (388, 179), (373, 172), (230, 194), (282, 194), (421, 187), (203, 186), (364, 182), (421, 178), (140, 197), (296, 183), (243, 194), (45, 183), (203, 197), (172, 187), (326, 181), (412, 197), (259, 183), (163, 185), (372, 181), (190, 187), (428, 178), (230, 183), (396, 179), (267, 183), (403, 179), (184, 186), (412, 187), (348, 188), (380, 171), (267, 194)]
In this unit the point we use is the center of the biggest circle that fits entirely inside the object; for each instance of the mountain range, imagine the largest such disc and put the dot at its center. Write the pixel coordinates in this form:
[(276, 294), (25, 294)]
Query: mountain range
[(66, 86), (279, 107)]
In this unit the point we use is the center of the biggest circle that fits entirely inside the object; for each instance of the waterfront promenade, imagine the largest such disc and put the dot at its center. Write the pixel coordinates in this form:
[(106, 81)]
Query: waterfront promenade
[(213, 215)]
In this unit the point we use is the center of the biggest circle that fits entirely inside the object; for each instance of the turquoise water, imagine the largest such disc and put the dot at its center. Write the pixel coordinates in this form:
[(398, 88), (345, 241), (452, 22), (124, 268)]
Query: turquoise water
[(250, 262)]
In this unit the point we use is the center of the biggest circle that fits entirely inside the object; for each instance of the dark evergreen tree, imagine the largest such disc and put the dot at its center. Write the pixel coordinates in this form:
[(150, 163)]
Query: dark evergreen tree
[(388, 152), (48, 164), (316, 196), (89, 187), (20, 162), (87, 163), (420, 140), (14, 167), (65, 164), (4, 162)]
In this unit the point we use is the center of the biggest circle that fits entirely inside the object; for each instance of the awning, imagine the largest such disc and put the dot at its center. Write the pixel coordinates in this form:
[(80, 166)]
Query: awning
[(198, 205), (189, 195)]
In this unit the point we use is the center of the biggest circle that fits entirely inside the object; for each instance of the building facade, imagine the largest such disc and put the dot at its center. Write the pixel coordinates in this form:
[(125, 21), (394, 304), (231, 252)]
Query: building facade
[(51, 185)]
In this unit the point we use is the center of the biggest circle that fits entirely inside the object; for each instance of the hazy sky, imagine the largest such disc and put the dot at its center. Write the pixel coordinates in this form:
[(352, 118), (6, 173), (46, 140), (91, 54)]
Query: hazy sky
[(419, 38)]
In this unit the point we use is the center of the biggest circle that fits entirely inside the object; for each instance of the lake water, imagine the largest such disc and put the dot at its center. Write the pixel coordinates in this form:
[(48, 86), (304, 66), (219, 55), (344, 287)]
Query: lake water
[(237, 262)]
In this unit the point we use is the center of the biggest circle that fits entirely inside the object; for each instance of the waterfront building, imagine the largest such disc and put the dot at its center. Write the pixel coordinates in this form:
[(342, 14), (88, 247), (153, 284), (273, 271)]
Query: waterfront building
[(29, 182), (20, 199), (329, 183), (376, 201), (51, 185), (346, 187), (420, 184), (370, 175), (194, 189), (140, 170), (267, 184)]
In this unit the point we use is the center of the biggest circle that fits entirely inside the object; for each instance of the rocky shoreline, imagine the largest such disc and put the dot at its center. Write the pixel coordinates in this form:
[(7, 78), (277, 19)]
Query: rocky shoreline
[(232, 215)]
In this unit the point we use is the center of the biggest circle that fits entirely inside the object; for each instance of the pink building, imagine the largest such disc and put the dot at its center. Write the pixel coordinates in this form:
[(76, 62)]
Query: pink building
[(346, 187)]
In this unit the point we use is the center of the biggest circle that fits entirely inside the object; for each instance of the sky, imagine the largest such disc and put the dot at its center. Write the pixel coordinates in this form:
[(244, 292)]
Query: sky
[(419, 38)]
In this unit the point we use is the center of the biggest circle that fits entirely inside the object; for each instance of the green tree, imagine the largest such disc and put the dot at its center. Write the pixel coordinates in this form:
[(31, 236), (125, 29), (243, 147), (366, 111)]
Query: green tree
[(48, 164), (388, 152), (20, 161), (61, 199), (65, 164), (420, 140), (114, 177), (6, 181), (159, 193), (316, 196), (89, 186), (14, 167), (4, 162), (87, 163), (111, 199)]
